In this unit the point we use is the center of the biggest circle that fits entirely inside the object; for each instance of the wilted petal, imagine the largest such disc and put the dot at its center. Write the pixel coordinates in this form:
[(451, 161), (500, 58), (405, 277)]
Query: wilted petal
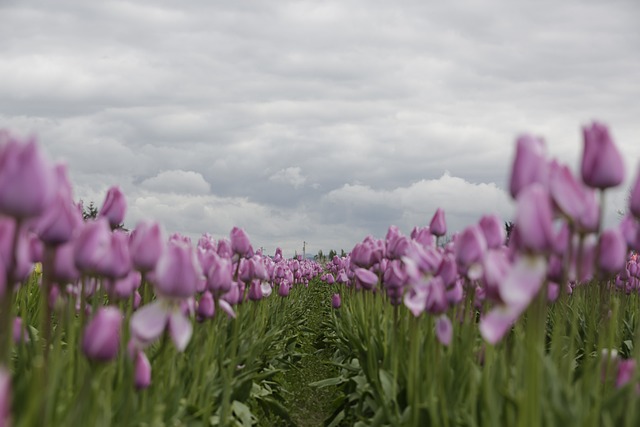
[(180, 329)]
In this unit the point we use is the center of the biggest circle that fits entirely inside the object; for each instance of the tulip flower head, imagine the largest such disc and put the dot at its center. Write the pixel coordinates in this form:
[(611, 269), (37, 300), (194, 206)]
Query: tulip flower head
[(101, 338), (602, 165)]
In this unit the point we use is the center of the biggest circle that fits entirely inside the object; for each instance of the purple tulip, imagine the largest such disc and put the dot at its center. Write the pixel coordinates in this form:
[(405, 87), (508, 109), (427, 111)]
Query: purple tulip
[(529, 165), (92, 245), (626, 369), (114, 207), (240, 243), (64, 267), (177, 272), (634, 198), (220, 275), (470, 249), (534, 219), (146, 244), (149, 322), (438, 225), (142, 374), (361, 255), (284, 288), (20, 259), (125, 287), (117, 262), (58, 223), (206, 307), (255, 291), (5, 397), (27, 179), (612, 251), (395, 275), (20, 334), (336, 302), (602, 165), (444, 330), (572, 198), (101, 338), (493, 231), (365, 278)]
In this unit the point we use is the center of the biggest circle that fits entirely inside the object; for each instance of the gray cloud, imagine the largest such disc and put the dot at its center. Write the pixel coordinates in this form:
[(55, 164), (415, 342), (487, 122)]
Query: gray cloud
[(315, 121)]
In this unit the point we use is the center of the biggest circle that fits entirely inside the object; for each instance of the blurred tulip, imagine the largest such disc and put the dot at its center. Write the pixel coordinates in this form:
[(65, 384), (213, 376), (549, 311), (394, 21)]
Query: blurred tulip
[(444, 330), (365, 278), (114, 207), (101, 338), (534, 219), (529, 165), (438, 225), (142, 373), (602, 165), (27, 178), (612, 251), (493, 231), (5, 397), (240, 243), (178, 271), (146, 244), (206, 307), (336, 302)]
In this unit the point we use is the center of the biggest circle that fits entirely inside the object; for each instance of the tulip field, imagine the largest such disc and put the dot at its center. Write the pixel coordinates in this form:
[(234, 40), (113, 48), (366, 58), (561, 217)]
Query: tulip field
[(103, 326)]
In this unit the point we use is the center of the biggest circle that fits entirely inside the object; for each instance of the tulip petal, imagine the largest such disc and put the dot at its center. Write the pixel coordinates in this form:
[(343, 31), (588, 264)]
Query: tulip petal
[(149, 322), (226, 307), (495, 324), (180, 329)]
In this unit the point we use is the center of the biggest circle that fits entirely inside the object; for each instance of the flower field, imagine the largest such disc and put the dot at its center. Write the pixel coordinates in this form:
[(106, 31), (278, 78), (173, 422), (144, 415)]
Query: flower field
[(103, 326)]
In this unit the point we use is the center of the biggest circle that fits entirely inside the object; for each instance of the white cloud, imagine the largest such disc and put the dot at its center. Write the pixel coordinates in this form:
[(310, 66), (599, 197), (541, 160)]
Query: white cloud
[(177, 181), (290, 175)]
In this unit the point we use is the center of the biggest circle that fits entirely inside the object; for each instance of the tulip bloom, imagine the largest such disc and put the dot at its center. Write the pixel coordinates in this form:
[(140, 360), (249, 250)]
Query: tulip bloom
[(612, 251), (365, 278), (101, 338), (240, 243), (438, 225), (529, 164), (146, 244), (444, 330), (27, 179), (602, 165), (142, 374), (534, 219), (114, 207), (336, 302)]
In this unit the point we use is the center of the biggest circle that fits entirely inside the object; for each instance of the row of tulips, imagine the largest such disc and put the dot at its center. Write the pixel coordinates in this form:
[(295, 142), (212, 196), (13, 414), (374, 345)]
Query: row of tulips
[(481, 331), (98, 317)]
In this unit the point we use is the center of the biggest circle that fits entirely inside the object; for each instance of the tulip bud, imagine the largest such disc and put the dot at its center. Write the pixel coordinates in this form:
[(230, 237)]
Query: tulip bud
[(177, 272), (114, 207), (145, 245), (142, 375), (284, 288), (27, 179), (444, 330), (206, 307), (336, 302), (534, 219), (365, 278), (438, 226), (493, 232), (602, 164), (92, 245), (529, 164), (240, 243), (612, 251), (102, 335)]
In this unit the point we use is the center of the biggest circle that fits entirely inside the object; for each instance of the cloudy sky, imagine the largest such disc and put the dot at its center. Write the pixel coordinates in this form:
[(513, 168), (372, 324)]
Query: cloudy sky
[(321, 121)]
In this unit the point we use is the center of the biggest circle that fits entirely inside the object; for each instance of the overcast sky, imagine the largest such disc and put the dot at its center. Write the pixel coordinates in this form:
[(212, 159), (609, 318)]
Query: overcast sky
[(321, 121)]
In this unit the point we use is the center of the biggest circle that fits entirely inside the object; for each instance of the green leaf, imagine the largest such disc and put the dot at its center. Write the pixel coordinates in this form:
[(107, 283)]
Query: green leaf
[(243, 413), (328, 382)]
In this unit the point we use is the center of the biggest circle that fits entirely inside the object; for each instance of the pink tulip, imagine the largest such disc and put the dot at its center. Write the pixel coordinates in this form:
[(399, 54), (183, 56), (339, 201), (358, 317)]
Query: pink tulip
[(493, 231), (101, 338), (92, 245), (336, 301), (470, 248), (612, 251), (240, 243), (177, 272), (114, 207), (602, 165), (146, 244), (27, 179), (206, 307), (529, 165), (444, 330), (534, 219), (438, 225), (142, 373), (365, 278)]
